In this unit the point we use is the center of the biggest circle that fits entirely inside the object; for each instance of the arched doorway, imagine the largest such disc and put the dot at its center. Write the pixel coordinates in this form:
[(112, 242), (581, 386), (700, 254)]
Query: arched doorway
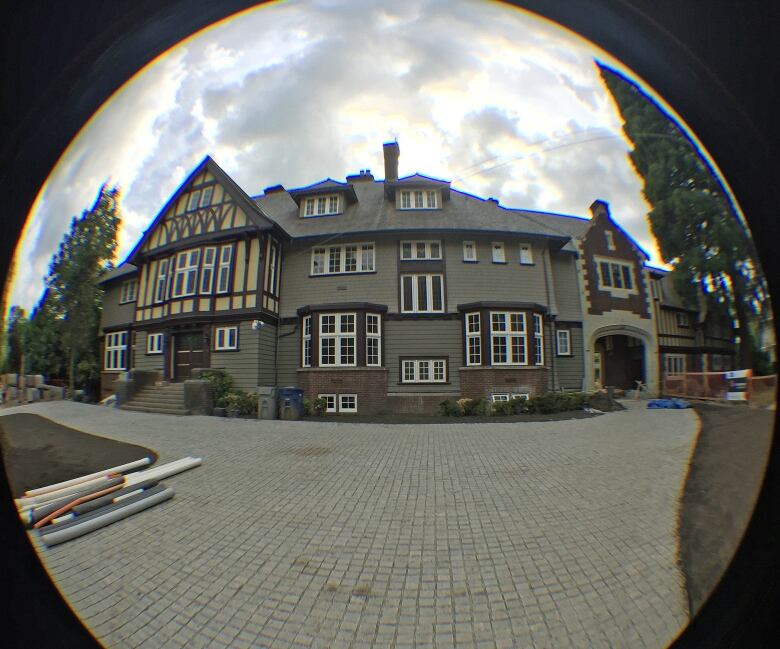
[(621, 356)]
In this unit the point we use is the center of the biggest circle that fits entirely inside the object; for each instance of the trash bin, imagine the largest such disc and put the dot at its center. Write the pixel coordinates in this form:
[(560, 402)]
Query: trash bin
[(266, 402), (290, 403)]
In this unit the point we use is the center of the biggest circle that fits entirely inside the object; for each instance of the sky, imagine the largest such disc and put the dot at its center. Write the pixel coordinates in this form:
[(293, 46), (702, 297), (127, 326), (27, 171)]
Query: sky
[(500, 102)]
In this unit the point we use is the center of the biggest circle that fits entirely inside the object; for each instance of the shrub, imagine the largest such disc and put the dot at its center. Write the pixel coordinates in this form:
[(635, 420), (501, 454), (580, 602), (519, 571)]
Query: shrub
[(221, 383), (450, 408), (474, 407), (243, 403), (503, 408), (558, 402), (306, 408), (319, 406), (521, 405)]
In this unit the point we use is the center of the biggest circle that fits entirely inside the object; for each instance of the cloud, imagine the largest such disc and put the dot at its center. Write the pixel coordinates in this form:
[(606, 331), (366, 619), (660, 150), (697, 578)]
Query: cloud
[(497, 100)]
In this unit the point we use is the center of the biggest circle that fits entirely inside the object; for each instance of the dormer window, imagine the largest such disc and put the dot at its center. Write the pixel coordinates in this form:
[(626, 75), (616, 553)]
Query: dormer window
[(205, 197), (129, 291), (418, 199), (194, 201), (321, 205)]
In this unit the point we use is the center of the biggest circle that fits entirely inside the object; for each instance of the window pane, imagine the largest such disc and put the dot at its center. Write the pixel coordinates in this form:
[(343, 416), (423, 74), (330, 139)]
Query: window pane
[(616, 279), (328, 351), (367, 253), (194, 199), (309, 206), (422, 293), (321, 202), (627, 277), (424, 370), (333, 205), (408, 370), (606, 279), (431, 199), (499, 349), (406, 250), (350, 259), (406, 200), (347, 349), (473, 323), (334, 260), (436, 290), (438, 370), (206, 198), (407, 304), (418, 199), (420, 247), (435, 250), (347, 323), (475, 351), (498, 321), (328, 324)]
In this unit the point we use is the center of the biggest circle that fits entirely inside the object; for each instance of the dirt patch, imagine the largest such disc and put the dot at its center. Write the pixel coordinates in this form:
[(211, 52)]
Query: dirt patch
[(725, 476), (39, 452)]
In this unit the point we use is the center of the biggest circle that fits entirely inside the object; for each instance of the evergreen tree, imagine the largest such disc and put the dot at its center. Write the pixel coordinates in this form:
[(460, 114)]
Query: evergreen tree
[(15, 362), (692, 218), (45, 354), (73, 296)]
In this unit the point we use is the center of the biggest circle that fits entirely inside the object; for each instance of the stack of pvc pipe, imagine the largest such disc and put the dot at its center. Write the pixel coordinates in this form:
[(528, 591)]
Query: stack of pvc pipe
[(75, 507)]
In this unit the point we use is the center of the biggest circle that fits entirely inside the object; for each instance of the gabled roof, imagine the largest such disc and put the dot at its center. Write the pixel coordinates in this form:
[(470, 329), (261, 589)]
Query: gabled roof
[(420, 181), (327, 186), (253, 211), (599, 205), (123, 270), (373, 213)]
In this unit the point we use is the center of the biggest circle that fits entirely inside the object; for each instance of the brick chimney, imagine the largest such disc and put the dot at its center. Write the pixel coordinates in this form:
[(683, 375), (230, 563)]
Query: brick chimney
[(391, 151)]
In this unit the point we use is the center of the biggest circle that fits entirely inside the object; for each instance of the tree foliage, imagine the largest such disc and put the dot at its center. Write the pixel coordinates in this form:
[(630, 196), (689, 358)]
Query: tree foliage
[(692, 218), (15, 340), (61, 338)]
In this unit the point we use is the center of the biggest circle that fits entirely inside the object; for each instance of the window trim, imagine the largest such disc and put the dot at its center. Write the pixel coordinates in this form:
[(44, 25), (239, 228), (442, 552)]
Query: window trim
[(206, 266), (361, 247), (186, 271), (525, 247), (338, 336), (496, 247), (115, 351), (226, 266), (330, 396), (674, 357), (126, 295), (473, 335), (374, 336), (407, 199), (414, 243), (538, 335), (306, 340), (417, 361), (314, 201), (623, 268), (226, 346), (567, 335), (473, 259), (206, 195), (341, 406), (161, 285), (415, 306), (154, 350), (508, 334)]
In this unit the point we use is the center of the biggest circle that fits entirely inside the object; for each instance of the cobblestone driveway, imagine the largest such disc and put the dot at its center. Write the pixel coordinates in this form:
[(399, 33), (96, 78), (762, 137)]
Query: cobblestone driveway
[(292, 534)]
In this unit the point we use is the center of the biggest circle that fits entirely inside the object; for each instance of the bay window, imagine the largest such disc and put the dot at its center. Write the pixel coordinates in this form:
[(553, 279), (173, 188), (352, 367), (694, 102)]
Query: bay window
[(186, 278)]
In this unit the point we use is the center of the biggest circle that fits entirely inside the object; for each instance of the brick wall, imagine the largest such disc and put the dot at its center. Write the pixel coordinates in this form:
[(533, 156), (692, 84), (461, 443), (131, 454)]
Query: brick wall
[(369, 384), (482, 382)]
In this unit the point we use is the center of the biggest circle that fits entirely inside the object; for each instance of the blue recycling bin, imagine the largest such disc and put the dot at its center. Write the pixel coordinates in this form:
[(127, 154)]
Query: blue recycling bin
[(290, 403)]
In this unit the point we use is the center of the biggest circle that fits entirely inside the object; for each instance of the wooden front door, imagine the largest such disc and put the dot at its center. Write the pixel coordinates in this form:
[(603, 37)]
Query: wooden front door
[(189, 352)]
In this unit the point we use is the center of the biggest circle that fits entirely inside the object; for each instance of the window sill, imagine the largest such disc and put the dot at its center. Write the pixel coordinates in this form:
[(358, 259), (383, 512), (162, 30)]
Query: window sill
[(357, 272), (471, 261), (341, 368), (407, 383), (232, 349), (499, 262), (153, 354), (527, 263)]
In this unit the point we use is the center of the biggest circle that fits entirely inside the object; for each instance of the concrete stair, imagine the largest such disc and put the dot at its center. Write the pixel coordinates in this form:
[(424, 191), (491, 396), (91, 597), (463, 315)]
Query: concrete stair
[(164, 398)]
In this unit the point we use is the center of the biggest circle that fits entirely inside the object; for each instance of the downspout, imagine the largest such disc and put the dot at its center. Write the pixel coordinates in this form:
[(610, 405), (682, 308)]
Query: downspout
[(552, 319)]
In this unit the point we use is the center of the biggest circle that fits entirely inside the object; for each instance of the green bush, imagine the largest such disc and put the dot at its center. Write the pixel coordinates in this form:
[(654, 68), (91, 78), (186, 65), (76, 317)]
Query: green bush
[(474, 407), (521, 405), (221, 383), (243, 403), (306, 408), (558, 402), (503, 408), (450, 408), (319, 406)]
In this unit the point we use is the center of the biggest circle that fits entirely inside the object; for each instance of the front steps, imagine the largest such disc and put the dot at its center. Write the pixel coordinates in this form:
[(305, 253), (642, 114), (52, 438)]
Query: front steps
[(163, 398)]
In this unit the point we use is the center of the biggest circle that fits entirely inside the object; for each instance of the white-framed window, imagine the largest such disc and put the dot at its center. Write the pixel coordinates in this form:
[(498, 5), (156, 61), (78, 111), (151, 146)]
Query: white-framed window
[(207, 272), (162, 281), (129, 291), (342, 259), (538, 339), (473, 339), (226, 338), (508, 338), (469, 251), (674, 363), (373, 339), (337, 339), (499, 396), (273, 262), (154, 343), (498, 252), (321, 205), (682, 319), (185, 280), (526, 254), (205, 197), (306, 344), (412, 250), (563, 342), (330, 401), (422, 293), (194, 201), (115, 356), (347, 403), (424, 370), (223, 274), (616, 275), (418, 199), (610, 237)]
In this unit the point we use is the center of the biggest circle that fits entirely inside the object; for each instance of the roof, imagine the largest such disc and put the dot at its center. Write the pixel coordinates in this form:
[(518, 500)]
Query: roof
[(123, 270), (374, 213)]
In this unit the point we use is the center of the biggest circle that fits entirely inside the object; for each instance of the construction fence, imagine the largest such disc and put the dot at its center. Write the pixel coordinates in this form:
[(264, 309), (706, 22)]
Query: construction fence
[(758, 390)]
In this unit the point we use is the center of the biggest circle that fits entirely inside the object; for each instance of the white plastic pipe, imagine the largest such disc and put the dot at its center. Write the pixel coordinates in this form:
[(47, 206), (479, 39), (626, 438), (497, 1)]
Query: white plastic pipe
[(163, 471), (59, 536), (67, 491), (67, 483)]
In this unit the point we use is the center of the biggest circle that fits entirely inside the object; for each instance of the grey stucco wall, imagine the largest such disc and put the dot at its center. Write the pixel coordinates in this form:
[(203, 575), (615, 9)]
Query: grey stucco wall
[(569, 369), (144, 361), (115, 314), (253, 363), (566, 286)]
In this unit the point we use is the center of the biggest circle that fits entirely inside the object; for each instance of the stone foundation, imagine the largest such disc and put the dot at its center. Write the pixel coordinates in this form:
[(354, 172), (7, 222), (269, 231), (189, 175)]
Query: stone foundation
[(369, 384)]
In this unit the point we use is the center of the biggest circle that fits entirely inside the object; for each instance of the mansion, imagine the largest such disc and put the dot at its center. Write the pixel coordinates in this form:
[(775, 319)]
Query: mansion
[(393, 295)]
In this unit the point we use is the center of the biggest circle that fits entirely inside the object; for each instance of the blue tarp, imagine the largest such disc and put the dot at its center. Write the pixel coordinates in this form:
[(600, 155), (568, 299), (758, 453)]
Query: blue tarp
[(668, 403)]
